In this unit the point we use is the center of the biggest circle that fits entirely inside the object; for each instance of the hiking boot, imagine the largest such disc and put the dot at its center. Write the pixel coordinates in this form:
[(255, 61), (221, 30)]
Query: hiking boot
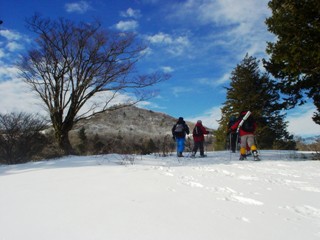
[(203, 155), (193, 155), (242, 157), (180, 154)]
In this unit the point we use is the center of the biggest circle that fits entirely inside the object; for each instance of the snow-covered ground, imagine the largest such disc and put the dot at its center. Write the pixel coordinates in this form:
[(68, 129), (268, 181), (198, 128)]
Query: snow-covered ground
[(108, 198)]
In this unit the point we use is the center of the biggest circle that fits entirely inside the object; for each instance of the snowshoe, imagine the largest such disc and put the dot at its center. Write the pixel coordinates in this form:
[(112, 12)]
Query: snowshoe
[(255, 156)]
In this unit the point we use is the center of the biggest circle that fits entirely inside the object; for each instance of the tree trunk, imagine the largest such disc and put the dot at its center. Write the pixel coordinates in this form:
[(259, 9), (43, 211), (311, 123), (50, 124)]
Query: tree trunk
[(62, 138), (64, 144)]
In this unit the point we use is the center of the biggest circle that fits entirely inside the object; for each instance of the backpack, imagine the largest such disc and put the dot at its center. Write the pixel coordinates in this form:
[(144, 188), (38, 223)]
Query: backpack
[(197, 131), (179, 128), (248, 125)]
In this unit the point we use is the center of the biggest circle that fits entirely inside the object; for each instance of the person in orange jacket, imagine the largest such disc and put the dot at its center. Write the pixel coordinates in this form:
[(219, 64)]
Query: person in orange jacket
[(198, 138)]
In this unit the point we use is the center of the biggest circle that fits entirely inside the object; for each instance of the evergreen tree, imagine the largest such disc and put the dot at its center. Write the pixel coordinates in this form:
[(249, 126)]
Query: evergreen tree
[(295, 56), (251, 90)]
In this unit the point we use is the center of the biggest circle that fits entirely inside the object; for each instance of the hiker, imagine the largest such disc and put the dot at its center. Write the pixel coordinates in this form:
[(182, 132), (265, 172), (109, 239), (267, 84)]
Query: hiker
[(246, 134), (179, 131), (198, 138), (232, 134)]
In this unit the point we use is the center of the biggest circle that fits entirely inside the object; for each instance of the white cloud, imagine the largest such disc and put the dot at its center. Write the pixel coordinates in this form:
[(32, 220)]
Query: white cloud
[(149, 105), (300, 121), (239, 23), (17, 97), (224, 79), (127, 25), (208, 118), (10, 35), (167, 69), (133, 13), (160, 38), (176, 91), (2, 53), (245, 14), (14, 41), (77, 7), (175, 45), (8, 72), (147, 51), (211, 82), (14, 46)]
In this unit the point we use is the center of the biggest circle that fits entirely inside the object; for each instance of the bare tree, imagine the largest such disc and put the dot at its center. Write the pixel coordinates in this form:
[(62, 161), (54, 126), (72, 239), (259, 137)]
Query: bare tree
[(20, 137), (72, 63)]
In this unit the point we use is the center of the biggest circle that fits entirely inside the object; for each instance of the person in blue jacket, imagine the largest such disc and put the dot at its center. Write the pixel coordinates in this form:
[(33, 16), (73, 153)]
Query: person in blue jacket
[(179, 131)]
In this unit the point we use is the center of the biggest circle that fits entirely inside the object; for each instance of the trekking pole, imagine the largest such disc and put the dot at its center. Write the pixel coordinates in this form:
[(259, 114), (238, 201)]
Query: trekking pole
[(256, 142), (206, 144), (237, 141), (230, 147), (187, 145)]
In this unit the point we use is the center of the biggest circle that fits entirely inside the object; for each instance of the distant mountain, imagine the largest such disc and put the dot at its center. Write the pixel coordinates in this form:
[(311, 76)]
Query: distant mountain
[(310, 140), (130, 121)]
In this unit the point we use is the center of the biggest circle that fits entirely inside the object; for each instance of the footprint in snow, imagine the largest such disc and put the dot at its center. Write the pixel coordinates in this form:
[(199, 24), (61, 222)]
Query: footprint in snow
[(248, 178), (310, 189), (243, 219), (190, 181), (244, 200), (306, 211), (194, 184)]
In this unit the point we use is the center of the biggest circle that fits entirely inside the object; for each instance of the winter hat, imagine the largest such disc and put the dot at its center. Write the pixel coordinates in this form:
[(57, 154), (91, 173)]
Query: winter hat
[(180, 119), (199, 121)]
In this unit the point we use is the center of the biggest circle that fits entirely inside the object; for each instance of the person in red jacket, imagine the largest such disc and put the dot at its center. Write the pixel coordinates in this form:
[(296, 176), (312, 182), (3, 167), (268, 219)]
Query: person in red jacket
[(198, 138), (246, 134)]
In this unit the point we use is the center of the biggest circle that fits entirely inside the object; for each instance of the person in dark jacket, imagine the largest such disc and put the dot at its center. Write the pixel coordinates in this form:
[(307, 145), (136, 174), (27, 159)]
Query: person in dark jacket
[(246, 134), (232, 134), (198, 138), (179, 131)]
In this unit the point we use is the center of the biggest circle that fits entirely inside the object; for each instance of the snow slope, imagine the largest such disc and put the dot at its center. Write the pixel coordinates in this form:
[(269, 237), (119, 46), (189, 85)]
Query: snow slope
[(108, 198)]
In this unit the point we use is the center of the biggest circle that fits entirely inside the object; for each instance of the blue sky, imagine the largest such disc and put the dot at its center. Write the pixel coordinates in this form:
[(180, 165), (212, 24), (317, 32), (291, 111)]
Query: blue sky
[(199, 42)]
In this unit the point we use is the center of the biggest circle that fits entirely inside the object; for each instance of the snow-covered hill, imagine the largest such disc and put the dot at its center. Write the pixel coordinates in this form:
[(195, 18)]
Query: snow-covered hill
[(107, 197), (129, 121)]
